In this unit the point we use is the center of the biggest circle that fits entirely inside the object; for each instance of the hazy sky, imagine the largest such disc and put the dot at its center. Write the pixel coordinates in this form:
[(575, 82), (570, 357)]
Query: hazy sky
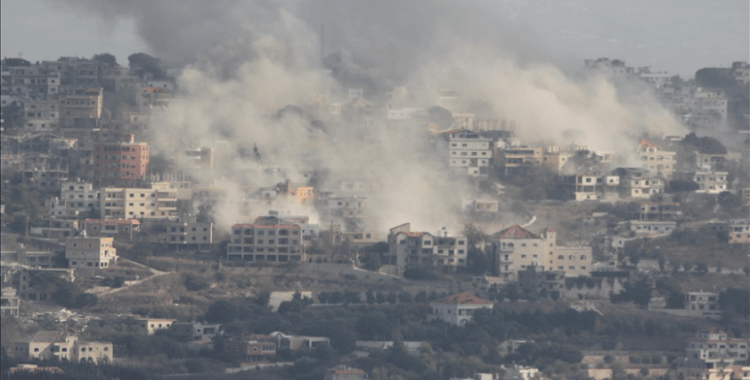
[(679, 36)]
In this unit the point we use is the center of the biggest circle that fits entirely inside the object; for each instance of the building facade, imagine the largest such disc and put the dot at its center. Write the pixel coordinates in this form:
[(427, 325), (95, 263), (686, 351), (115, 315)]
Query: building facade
[(457, 309), (267, 240), (121, 163)]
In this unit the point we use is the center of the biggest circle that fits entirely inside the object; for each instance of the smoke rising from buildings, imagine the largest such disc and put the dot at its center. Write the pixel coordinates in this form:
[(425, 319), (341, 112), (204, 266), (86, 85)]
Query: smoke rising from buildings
[(244, 61)]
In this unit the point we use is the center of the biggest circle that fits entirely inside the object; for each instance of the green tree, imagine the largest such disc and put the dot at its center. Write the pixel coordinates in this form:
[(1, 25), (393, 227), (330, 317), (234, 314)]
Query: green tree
[(221, 311), (106, 58)]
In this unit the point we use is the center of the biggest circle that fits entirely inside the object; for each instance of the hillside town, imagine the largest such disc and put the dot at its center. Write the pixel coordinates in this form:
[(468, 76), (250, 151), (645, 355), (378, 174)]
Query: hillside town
[(378, 234)]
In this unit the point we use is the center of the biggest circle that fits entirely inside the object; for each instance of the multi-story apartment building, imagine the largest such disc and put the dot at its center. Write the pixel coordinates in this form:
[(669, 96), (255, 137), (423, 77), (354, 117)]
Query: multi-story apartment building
[(512, 157), (534, 281), (738, 231), (157, 202), (60, 346), (596, 187), (154, 97), (342, 206), (658, 211), (408, 248), (256, 348), (707, 101), (79, 196), (468, 153), (710, 161), (605, 66), (710, 182), (32, 283), (714, 345), (655, 159), (120, 163), (741, 72), (41, 114), (702, 304), (10, 303), (186, 232), (269, 239), (457, 309), (514, 249), (80, 105), (90, 252), (45, 171), (658, 79), (637, 183)]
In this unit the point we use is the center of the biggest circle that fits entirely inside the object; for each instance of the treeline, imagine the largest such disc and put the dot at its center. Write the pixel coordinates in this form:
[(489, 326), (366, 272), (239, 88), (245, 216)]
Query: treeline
[(71, 370)]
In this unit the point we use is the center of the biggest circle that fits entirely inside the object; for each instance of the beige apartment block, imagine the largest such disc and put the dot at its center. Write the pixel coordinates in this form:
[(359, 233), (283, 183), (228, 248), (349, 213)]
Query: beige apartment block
[(135, 203), (90, 252)]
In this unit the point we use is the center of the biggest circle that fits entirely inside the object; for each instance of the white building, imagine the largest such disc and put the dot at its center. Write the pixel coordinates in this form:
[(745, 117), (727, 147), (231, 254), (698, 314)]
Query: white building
[(79, 196), (424, 249), (468, 153), (457, 309), (710, 182)]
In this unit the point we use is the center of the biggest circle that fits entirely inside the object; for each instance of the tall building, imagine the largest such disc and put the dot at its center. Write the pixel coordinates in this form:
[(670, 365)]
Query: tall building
[(269, 239), (158, 202), (468, 153), (120, 163), (409, 248)]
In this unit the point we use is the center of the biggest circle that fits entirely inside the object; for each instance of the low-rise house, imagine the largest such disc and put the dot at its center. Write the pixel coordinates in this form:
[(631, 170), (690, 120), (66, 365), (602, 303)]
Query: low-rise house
[(158, 202), (710, 182), (187, 233), (638, 183), (256, 348), (196, 330), (150, 325), (299, 342), (457, 309), (79, 196), (651, 228), (344, 373), (10, 303), (596, 187), (480, 205), (90, 252), (58, 345)]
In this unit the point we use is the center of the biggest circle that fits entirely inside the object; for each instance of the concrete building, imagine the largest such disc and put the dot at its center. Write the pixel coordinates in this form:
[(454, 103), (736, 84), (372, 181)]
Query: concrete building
[(635, 183), (114, 228), (195, 330), (41, 114), (157, 202), (709, 101), (256, 348), (80, 106), (269, 239), (657, 79), (121, 163), (344, 373), (714, 345), (595, 187), (704, 304), (467, 153), (710, 161), (512, 157), (457, 309), (535, 282), (154, 97), (408, 248), (33, 283), (10, 303), (655, 159), (90, 252), (610, 68), (60, 346), (187, 233), (299, 342), (738, 231), (710, 182), (741, 72), (150, 325), (514, 249), (658, 211), (79, 196), (645, 228)]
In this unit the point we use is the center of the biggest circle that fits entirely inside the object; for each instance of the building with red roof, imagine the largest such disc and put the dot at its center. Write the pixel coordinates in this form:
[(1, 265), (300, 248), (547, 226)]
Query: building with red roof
[(457, 309)]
